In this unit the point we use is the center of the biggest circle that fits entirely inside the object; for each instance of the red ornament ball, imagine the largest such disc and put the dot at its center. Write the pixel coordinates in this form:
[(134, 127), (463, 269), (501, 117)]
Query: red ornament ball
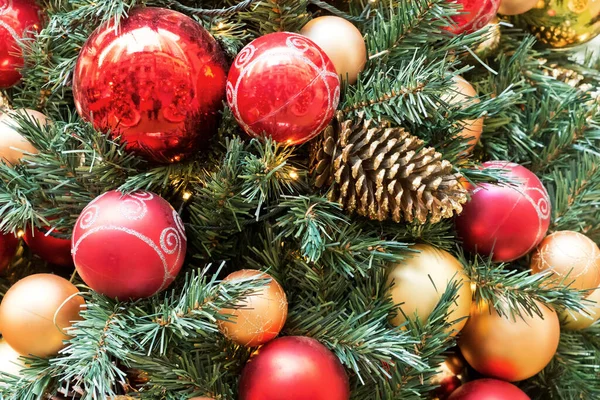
[(8, 248), (474, 15), (506, 220), (50, 247), (285, 86), (158, 82), (294, 368), (16, 17), (129, 246), (488, 389)]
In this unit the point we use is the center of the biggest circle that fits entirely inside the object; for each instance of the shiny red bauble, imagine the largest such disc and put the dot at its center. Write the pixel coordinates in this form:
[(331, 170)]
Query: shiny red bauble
[(8, 247), (158, 82), (16, 17), (129, 246), (283, 85), (488, 389), (49, 246), (506, 220), (294, 368), (474, 15)]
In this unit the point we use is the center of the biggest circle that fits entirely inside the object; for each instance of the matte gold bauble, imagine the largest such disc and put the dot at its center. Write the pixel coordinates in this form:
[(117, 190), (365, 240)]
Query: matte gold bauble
[(509, 348), (12, 144), (576, 321), (258, 317), (419, 282), (9, 360), (491, 44), (570, 256), (342, 42), (461, 92), (562, 23), (515, 7), (35, 314)]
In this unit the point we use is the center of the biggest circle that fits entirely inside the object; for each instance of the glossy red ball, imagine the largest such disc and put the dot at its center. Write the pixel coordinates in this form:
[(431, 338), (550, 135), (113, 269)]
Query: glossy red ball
[(49, 247), (294, 368), (158, 83), (129, 246), (283, 85), (488, 389), (8, 247), (508, 221), (16, 17), (474, 15)]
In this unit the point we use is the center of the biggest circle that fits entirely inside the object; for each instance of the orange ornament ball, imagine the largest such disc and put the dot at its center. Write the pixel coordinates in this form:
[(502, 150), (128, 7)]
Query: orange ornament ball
[(516, 7), (575, 321), (462, 92), (259, 317), (509, 348), (36, 313), (13, 146), (9, 360), (572, 258)]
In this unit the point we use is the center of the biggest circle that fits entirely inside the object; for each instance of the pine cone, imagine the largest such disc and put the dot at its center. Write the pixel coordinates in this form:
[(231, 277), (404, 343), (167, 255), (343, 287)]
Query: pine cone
[(384, 173)]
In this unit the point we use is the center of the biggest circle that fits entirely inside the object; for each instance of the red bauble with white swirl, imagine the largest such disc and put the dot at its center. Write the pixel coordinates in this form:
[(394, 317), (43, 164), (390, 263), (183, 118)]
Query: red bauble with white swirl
[(474, 15), (283, 85), (158, 82), (506, 220), (294, 368), (16, 17), (8, 247), (129, 246)]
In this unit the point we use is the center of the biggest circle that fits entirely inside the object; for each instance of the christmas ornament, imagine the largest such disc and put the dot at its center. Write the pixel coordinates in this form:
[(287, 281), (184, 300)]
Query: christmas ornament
[(294, 368), (419, 282), (259, 317), (489, 47), (449, 376), (129, 246), (13, 146), (157, 82), (36, 313), (577, 321), (572, 257), (17, 17), (473, 15), (285, 86), (562, 23), (461, 92), (489, 389), (515, 7), (342, 42), (507, 220), (8, 248), (510, 348), (52, 249), (9, 360), (384, 173)]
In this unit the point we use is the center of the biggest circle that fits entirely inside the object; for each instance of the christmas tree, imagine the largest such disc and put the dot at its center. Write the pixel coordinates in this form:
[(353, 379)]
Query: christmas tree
[(299, 199)]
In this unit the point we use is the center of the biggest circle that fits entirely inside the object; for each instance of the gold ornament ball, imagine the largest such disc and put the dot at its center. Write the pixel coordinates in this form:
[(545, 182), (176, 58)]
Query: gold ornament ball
[(509, 348), (12, 144), (490, 45), (570, 256), (562, 23), (258, 317), (36, 313), (515, 7), (9, 360), (462, 92), (575, 321), (342, 42), (419, 282)]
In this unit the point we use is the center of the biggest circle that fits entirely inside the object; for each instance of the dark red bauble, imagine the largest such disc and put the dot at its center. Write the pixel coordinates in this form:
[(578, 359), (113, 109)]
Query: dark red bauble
[(294, 368), (16, 17), (8, 247), (158, 83), (283, 85), (52, 249), (129, 246), (488, 389), (506, 220), (474, 15)]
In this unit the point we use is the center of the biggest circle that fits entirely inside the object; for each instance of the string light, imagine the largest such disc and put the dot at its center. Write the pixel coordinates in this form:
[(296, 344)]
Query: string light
[(187, 196), (20, 233), (294, 175)]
